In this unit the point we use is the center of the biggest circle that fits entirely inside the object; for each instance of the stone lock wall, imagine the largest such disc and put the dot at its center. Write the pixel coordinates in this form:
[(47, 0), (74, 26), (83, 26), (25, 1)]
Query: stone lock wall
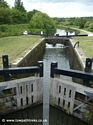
[(32, 56)]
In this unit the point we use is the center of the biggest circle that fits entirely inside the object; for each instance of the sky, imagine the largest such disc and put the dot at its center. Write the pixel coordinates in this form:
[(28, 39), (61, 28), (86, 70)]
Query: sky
[(59, 8)]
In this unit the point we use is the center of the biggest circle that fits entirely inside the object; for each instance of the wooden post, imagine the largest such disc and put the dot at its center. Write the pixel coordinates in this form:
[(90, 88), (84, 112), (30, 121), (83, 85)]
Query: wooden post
[(53, 66), (5, 61), (88, 68), (41, 68)]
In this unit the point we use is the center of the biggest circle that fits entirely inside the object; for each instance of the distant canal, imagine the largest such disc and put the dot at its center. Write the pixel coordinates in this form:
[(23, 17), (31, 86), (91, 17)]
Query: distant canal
[(63, 32), (50, 115)]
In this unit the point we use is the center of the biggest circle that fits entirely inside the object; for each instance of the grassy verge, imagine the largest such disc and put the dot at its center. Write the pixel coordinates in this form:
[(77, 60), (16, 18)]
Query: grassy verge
[(12, 30), (16, 46), (86, 43)]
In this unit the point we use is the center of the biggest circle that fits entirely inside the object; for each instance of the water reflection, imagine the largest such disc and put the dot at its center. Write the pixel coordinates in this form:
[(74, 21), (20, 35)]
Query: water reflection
[(57, 117), (63, 32), (57, 53), (51, 46), (62, 118), (31, 114)]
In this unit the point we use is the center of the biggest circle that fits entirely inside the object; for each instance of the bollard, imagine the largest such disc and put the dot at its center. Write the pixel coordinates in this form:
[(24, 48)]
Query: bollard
[(5, 65), (67, 33), (88, 65), (88, 68), (5, 61), (53, 66), (41, 68)]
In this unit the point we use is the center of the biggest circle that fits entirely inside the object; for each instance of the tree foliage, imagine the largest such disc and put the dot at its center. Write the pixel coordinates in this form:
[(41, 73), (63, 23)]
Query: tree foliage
[(17, 16), (42, 22), (19, 6), (90, 28), (3, 4), (5, 16), (39, 21), (30, 14), (79, 22)]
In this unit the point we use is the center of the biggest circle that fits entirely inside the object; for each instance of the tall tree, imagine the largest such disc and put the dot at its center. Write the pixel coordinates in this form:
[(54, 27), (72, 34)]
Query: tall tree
[(30, 14), (19, 5), (3, 4), (42, 22), (5, 16), (17, 16)]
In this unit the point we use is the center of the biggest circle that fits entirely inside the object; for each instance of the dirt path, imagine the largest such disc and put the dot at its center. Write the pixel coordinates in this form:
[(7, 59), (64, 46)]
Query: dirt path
[(85, 31)]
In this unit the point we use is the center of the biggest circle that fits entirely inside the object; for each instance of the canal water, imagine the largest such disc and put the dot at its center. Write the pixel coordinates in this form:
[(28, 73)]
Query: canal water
[(52, 54), (63, 32), (49, 114)]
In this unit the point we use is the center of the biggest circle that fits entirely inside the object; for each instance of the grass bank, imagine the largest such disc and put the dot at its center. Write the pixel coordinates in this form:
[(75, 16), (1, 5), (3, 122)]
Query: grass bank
[(86, 44), (16, 46), (12, 30)]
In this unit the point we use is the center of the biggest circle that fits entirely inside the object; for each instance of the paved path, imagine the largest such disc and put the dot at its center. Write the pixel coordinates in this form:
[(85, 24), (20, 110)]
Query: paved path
[(85, 31)]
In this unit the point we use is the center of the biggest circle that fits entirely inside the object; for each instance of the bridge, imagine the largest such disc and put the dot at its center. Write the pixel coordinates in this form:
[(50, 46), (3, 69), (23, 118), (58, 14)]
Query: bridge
[(54, 40)]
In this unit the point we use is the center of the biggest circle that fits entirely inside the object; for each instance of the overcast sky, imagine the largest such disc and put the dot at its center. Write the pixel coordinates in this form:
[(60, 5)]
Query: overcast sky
[(59, 8)]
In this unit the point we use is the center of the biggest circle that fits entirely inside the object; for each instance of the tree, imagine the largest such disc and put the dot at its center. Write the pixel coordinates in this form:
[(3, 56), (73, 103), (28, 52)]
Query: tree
[(87, 24), (30, 14), (19, 6), (3, 4), (17, 16), (82, 22), (5, 16), (42, 22), (90, 28)]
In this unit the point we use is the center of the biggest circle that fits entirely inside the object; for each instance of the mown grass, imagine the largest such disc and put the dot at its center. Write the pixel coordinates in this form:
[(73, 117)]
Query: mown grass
[(16, 46), (86, 43)]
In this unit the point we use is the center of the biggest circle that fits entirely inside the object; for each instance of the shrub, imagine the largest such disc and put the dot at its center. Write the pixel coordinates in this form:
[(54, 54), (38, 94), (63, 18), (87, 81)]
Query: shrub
[(12, 30)]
